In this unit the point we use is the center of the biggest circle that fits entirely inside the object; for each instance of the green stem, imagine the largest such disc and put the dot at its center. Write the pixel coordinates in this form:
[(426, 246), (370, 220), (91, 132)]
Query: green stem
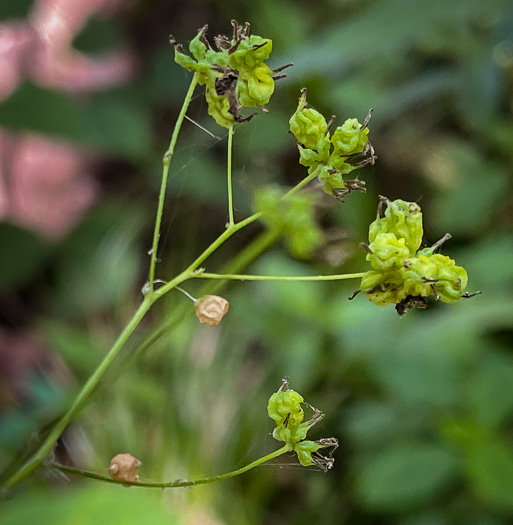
[(153, 295), (230, 195), (47, 445), (302, 184), (78, 403), (166, 161), (242, 277), (209, 251), (239, 263), (178, 483)]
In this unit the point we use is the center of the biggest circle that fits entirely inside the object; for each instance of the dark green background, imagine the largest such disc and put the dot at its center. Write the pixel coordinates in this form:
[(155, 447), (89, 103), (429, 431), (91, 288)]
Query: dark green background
[(422, 406)]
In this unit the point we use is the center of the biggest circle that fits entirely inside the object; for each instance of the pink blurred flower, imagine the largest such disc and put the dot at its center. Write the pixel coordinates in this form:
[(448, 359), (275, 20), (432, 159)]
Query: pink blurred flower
[(49, 189), (57, 64), (41, 49), (15, 41), (43, 185)]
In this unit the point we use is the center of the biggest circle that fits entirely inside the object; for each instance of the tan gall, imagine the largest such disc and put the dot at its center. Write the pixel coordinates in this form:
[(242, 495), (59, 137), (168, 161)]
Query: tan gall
[(211, 309)]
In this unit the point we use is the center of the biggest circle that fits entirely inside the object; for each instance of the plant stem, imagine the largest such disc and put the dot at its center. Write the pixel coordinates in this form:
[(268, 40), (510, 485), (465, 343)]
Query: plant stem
[(178, 483), (209, 251), (153, 295), (242, 277), (302, 184), (166, 161), (241, 261), (90, 385), (230, 193)]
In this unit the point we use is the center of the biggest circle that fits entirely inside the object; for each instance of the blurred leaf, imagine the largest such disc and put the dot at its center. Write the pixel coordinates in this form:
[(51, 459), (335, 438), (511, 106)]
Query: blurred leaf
[(267, 133), (300, 299), (490, 468), (118, 123), (113, 122), (271, 17), (360, 94), (23, 255), (165, 81), (99, 35), (469, 186), (88, 506), (14, 428), (435, 517), (76, 346), (481, 88), (405, 475), (369, 424), (491, 390), (99, 262), (36, 109), (375, 31), (45, 395), (14, 9), (489, 263)]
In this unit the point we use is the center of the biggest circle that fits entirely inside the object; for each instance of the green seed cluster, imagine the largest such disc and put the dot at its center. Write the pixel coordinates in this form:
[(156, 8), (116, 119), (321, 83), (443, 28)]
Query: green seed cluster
[(294, 216), (330, 157), (285, 408), (401, 274), (235, 75), (255, 84)]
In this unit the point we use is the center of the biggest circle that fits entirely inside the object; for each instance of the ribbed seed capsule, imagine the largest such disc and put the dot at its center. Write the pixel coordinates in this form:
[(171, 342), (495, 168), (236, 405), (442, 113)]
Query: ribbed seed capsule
[(307, 124), (387, 251), (401, 275), (403, 219), (350, 138), (211, 309), (124, 467), (285, 409)]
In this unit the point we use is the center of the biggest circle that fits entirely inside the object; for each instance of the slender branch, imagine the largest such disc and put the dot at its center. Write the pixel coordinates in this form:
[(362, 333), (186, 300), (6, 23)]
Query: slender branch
[(210, 250), (153, 295), (301, 184), (78, 403), (239, 263), (242, 277), (166, 161), (230, 194), (177, 483)]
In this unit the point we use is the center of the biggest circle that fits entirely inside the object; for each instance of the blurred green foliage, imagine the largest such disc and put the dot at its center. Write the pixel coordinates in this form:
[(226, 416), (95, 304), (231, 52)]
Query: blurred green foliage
[(423, 406)]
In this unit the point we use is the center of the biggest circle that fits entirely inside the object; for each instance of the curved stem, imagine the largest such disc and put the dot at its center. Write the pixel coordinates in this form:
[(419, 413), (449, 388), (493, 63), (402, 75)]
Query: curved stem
[(178, 483), (242, 277), (166, 161), (241, 261), (78, 403), (302, 184), (230, 194), (209, 251)]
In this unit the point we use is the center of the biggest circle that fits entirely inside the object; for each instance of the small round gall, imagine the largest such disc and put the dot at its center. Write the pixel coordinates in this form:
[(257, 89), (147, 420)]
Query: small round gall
[(210, 309), (124, 467)]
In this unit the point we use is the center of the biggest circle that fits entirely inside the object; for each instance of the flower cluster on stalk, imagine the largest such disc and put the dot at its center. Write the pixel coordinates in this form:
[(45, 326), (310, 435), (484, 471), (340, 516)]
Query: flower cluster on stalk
[(235, 74), (402, 274), (293, 216), (331, 156), (285, 408)]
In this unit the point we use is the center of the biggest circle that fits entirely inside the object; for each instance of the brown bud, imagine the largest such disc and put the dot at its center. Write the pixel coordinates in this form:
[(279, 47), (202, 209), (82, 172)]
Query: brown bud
[(125, 467), (210, 309)]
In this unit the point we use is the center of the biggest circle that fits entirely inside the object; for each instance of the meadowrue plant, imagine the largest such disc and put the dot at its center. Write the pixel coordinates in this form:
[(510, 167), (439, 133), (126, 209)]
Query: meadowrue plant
[(402, 274), (330, 157), (236, 76), (285, 408), (294, 218)]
